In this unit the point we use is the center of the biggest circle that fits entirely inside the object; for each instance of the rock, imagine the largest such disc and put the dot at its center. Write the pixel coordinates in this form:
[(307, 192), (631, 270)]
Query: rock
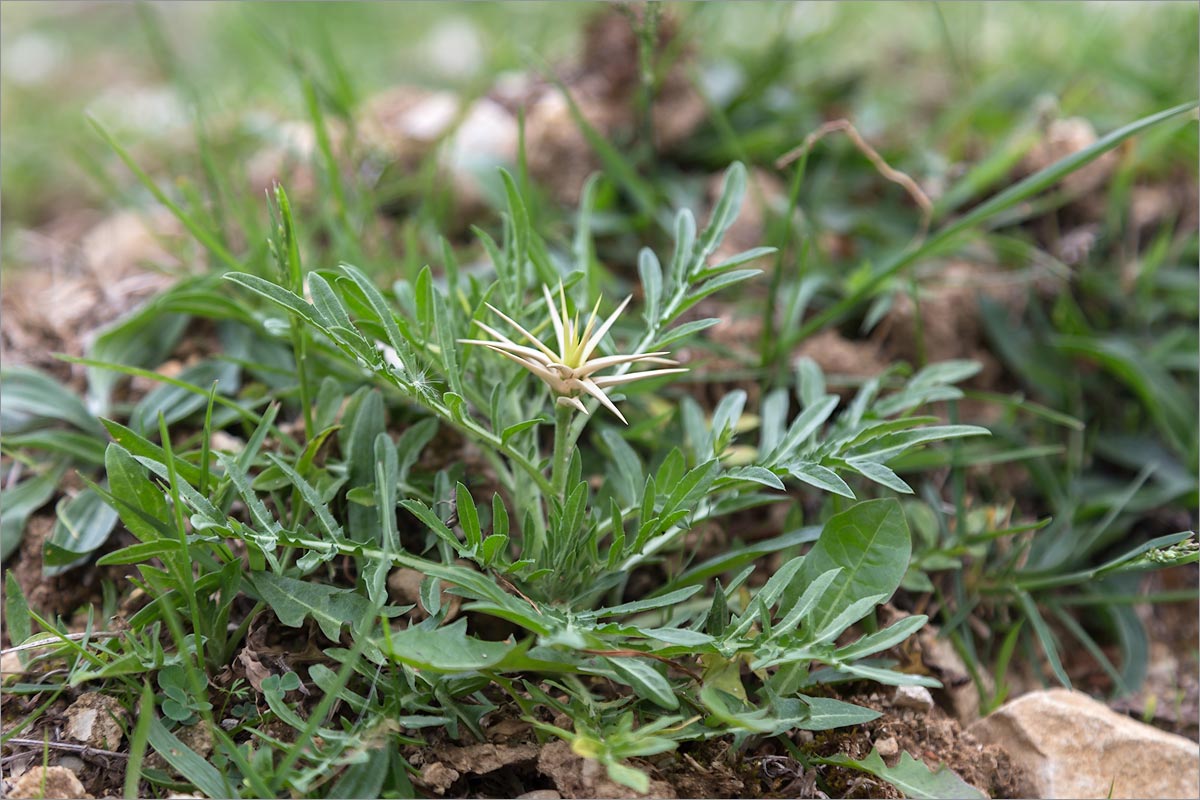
[(73, 763), (11, 668), (917, 698), (887, 747), (540, 794), (93, 720), (959, 694), (57, 782), (1073, 746)]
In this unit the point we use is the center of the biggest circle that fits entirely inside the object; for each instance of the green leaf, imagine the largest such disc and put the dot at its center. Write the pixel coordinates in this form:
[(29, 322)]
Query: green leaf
[(826, 713), (804, 426), (647, 682), (84, 523), (446, 649), (141, 447), (431, 520), (650, 271), (293, 601), (881, 640), (468, 516), (756, 474), (18, 502), (821, 477), (910, 776), (311, 497), (187, 762), (143, 339), (127, 481), (143, 551), (682, 332), (278, 295), (379, 306), (877, 472), (28, 398), (16, 610), (175, 402), (358, 448), (366, 778), (82, 448), (646, 604), (871, 543)]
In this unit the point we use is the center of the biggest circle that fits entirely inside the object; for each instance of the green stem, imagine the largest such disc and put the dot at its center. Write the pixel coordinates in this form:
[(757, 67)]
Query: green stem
[(561, 464)]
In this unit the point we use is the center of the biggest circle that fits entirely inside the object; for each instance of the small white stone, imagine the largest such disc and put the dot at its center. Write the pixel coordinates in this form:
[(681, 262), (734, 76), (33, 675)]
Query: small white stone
[(887, 747), (917, 698)]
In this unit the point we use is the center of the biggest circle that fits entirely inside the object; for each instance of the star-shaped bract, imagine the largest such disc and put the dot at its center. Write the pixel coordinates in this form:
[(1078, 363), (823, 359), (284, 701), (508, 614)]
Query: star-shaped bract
[(572, 369)]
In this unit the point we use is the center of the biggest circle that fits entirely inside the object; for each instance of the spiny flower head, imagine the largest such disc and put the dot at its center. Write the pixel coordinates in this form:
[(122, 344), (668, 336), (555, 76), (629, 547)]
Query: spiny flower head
[(571, 371)]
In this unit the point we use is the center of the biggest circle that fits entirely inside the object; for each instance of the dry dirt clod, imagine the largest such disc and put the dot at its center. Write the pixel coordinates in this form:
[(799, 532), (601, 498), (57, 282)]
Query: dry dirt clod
[(481, 759), (1074, 746), (837, 355), (438, 777), (576, 776), (49, 782), (93, 720)]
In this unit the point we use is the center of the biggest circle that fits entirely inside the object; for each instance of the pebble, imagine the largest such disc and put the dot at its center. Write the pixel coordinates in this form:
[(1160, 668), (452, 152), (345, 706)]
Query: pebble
[(917, 698), (887, 747)]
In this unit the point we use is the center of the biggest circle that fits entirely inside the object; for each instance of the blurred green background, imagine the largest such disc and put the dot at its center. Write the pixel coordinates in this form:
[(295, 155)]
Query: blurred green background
[(941, 81)]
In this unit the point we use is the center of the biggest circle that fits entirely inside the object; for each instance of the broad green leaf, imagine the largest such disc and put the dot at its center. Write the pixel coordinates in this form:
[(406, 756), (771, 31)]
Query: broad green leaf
[(82, 448), (910, 776), (143, 339), (293, 601), (176, 403), (18, 502), (141, 447), (646, 681), (29, 398), (448, 649), (127, 481), (871, 543), (84, 523)]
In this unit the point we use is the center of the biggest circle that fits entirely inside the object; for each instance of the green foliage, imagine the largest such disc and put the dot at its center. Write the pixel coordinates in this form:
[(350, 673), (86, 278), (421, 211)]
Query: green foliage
[(339, 433)]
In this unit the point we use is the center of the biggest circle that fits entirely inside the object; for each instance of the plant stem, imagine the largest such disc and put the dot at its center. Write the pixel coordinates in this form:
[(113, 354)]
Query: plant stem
[(562, 451)]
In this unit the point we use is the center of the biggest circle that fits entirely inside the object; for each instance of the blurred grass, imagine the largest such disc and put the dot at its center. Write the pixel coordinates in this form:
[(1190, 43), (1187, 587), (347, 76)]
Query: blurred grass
[(939, 82)]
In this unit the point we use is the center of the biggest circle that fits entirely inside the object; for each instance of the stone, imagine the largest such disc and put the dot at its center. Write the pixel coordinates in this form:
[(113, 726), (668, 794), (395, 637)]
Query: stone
[(57, 782), (887, 747), (540, 794), (1074, 746), (93, 720), (916, 698)]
